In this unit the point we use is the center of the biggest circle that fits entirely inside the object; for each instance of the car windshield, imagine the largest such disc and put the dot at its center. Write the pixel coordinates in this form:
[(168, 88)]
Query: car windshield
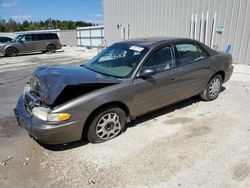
[(17, 38), (119, 60)]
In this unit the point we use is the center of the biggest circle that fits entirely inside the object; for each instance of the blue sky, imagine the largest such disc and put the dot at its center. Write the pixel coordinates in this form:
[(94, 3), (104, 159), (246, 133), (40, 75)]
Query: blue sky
[(35, 10)]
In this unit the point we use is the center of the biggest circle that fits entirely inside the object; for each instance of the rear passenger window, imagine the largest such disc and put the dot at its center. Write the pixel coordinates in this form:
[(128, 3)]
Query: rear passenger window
[(187, 53), (53, 36), (35, 37), (161, 60), (45, 36)]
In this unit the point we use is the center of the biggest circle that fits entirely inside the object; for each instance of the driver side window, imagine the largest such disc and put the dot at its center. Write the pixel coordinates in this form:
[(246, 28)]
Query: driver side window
[(161, 60), (26, 38)]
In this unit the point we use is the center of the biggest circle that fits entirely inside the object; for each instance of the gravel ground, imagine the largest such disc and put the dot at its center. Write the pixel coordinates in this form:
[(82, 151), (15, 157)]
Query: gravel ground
[(189, 144)]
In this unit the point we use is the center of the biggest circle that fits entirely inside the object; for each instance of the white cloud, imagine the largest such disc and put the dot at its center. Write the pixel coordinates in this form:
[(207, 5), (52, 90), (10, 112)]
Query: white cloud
[(21, 17), (10, 3), (96, 18), (95, 15)]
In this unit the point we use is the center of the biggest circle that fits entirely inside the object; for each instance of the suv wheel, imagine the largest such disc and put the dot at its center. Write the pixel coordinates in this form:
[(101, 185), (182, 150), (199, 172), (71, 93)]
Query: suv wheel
[(11, 52), (213, 88), (51, 48), (107, 124)]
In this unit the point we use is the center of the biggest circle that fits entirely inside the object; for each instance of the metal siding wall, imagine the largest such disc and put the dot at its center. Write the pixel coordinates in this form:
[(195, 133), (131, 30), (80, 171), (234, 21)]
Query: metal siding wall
[(148, 18), (240, 26), (245, 36), (233, 22), (228, 16)]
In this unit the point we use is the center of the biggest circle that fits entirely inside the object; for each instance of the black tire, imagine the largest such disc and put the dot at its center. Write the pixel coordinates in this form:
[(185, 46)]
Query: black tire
[(94, 133), (51, 48), (11, 52), (213, 88)]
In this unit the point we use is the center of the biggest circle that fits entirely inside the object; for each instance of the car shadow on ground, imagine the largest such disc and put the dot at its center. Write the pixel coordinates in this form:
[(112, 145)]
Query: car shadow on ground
[(163, 111), (137, 121), (63, 147), (166, 110)]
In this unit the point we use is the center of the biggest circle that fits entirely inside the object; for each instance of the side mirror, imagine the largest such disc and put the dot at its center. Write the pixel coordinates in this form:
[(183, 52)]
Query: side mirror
[(147, 73)]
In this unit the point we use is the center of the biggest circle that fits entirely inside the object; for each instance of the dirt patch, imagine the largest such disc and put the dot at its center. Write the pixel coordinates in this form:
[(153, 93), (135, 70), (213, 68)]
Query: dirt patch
[(8, 127), (197, 131), (20, 164), (241, 171), (194, 127)]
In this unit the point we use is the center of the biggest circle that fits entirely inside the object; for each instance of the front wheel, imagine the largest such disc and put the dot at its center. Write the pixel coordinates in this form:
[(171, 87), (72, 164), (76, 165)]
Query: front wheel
[(11, 52), (213, 88), (106, 125)]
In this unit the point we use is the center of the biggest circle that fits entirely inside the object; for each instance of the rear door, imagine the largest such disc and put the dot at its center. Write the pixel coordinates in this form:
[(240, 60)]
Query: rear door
[(196, 68), (36, 38), (161, 88)]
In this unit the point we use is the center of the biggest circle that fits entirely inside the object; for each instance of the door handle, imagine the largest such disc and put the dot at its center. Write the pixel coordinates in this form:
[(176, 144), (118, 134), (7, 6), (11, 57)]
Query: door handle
[(209, 68), (173, 79)]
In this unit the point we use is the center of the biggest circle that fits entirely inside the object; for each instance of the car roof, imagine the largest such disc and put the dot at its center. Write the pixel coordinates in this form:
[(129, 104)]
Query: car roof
[(35, 33), (155, 41)]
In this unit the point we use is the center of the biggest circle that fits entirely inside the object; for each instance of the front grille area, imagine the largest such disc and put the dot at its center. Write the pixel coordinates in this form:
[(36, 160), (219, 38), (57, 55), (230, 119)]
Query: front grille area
[(30, 101)]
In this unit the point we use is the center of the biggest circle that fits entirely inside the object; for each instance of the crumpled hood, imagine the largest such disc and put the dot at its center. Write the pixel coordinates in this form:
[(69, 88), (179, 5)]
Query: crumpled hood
[(53, 79)]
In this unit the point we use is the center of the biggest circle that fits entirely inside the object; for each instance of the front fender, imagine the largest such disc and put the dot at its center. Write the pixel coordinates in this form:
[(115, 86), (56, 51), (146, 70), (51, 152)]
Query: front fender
[(7, 46)]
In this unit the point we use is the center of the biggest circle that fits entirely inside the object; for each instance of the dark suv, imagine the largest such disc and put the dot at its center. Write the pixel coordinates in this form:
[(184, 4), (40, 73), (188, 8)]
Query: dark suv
[(31, 42)]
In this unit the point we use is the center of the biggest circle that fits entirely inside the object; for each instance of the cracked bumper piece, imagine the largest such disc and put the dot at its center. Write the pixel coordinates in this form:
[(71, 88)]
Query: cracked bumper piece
[(46, 132)]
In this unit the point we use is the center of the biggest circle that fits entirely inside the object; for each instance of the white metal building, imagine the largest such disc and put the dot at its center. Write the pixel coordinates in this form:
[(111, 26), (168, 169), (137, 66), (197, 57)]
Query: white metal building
[(90, 36), (218, 23)]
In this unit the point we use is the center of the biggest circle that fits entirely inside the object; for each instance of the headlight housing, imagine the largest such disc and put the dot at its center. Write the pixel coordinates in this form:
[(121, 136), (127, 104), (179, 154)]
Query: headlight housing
[(46, 115)]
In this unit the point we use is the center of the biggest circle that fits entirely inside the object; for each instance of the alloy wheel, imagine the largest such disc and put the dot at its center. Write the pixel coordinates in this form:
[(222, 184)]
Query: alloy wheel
[(214, 87), (108, 126)]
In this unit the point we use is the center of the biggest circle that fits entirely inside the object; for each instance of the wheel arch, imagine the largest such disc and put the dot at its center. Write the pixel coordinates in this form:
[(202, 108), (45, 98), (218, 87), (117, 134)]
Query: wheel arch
[(50, 44), (10, 47), (222, 73)]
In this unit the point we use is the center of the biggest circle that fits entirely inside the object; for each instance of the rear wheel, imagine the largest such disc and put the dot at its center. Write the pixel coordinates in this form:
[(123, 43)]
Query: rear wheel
[(213, 88), (51, 48), (11, 52), (106, 125)]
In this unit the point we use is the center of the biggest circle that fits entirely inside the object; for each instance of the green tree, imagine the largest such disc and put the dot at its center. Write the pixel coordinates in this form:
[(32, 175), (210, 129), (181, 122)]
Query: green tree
[(25, 25), (13, 26)]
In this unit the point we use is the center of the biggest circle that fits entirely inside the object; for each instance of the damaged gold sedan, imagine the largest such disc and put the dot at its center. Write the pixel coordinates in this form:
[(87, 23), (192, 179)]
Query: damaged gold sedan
[(62, 104)]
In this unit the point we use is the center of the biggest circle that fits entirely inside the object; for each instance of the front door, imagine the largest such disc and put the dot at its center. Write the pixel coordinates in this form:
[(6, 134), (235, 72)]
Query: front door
[(25, 44), (160, 89)]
